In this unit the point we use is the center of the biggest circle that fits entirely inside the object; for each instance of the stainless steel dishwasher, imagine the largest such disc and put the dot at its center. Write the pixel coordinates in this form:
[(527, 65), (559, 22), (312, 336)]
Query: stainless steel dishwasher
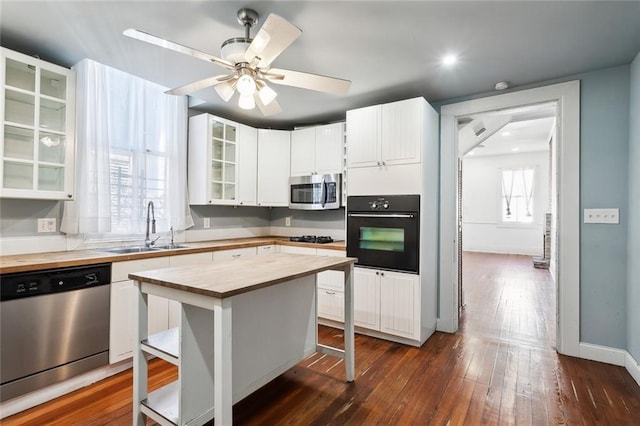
[(54, 324)]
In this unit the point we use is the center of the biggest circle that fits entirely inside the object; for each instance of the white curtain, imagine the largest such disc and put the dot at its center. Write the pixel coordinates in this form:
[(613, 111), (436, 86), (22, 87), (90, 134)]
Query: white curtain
[(131, 149)]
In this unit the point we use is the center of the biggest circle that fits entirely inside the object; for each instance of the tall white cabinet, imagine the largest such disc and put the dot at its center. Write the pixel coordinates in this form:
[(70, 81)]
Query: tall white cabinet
[(273, 167), (37, 141)]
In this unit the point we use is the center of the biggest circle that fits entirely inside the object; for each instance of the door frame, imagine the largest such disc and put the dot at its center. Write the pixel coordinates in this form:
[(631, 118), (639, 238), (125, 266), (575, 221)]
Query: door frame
[(567, 97)]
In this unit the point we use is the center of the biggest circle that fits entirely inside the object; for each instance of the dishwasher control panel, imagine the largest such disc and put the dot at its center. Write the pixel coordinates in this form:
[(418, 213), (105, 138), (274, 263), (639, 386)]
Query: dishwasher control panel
[(27, 284)]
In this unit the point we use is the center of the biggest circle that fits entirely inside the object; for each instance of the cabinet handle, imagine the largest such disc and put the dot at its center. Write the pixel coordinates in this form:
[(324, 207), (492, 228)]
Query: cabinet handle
[(379, 163), (69, 195), (236, 255), (331, 293), (384, 164)]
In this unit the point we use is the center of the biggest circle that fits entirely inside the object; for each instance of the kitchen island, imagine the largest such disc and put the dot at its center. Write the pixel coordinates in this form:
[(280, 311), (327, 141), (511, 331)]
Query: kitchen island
[(243, 323)]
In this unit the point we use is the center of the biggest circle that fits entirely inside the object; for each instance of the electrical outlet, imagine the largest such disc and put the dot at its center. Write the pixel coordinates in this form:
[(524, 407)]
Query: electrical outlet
[(47, 224), (287, 221), (610, 216), (207, 223)]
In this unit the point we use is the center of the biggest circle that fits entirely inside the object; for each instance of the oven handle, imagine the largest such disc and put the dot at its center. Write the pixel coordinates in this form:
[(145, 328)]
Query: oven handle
[(323, 196), (396, 215)]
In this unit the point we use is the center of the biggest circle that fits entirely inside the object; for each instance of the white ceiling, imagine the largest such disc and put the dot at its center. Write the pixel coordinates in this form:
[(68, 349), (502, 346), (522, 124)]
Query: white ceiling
[(390, 50)]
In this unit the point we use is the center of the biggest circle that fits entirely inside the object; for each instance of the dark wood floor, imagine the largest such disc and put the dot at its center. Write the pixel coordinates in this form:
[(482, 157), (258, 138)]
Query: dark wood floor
[(500, 368)]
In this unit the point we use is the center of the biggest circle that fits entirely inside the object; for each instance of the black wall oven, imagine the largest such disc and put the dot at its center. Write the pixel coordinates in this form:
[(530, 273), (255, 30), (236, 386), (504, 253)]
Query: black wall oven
[(384, 231)]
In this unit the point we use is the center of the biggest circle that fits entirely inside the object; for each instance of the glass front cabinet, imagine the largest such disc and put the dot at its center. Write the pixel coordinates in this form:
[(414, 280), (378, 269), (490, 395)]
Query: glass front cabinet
[(38, 141)]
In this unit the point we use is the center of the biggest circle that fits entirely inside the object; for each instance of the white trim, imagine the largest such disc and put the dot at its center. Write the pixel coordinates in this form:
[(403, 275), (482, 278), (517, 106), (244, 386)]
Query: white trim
[(603, 354), (567, 97), (633, 367), (32, 244), (24, 402)]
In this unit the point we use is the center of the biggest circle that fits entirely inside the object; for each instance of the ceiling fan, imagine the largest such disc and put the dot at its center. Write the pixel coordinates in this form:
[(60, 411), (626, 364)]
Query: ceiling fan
[(250, 60)]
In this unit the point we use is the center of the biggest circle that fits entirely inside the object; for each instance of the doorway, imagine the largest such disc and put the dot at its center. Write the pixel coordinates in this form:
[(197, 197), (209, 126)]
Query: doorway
[(567, 97), (505, 193)]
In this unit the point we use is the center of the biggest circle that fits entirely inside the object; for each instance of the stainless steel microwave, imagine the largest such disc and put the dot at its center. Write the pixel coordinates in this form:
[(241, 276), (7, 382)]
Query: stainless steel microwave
[(315, 192)]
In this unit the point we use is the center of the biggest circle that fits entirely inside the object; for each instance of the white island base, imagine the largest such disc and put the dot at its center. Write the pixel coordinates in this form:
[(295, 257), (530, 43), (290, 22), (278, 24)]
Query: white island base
[(228, 346)]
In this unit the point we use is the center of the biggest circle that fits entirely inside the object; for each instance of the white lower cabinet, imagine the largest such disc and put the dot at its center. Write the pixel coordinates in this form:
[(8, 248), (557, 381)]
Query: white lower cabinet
[(387, 301), (400, 304), (331, 289), (121, 308)]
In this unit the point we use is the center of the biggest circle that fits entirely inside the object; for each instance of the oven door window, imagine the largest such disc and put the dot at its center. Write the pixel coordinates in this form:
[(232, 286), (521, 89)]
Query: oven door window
[(387, 239), (384, 242)]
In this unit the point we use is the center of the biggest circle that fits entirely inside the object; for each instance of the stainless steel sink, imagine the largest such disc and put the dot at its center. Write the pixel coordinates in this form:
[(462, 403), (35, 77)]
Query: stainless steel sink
[(142, 249), (125, 250), (171, 246)]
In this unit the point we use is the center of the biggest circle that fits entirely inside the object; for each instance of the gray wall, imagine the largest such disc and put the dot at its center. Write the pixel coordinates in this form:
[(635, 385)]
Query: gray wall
[(323, 219), (230, 217), (633, 291), (19, 218), (604, 147)]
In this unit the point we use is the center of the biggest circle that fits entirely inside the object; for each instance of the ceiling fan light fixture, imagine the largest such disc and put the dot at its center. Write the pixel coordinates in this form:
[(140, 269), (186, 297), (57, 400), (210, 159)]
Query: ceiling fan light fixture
[(233, 49), (225, 90), (246, 84), (267, 94), (245, 101)]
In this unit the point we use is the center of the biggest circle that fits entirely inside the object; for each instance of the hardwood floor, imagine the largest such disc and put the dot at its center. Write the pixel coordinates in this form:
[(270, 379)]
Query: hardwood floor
[(500, 368)]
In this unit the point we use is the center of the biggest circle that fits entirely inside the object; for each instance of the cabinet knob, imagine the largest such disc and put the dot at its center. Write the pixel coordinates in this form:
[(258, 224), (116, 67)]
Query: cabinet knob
[(379, 163), (377, 273), (69, 195), (382, 274)]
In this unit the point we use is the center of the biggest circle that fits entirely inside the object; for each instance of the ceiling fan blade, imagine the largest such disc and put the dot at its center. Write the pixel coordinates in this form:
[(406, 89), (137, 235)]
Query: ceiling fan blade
[(157, 41), (275, 35), (320, 83), (199, 85), (271, 109)]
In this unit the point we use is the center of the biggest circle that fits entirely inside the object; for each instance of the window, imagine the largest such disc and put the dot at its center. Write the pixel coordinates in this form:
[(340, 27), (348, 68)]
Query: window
[(132, 142), (517, 195)]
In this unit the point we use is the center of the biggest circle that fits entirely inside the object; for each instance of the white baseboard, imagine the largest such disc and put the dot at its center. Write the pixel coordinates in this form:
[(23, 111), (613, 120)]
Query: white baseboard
[(24, 402), (633, 367), (602, 354)]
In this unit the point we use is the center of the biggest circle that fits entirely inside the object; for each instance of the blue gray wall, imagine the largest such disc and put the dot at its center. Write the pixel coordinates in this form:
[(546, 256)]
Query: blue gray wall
[(633, 290), (604, 150)]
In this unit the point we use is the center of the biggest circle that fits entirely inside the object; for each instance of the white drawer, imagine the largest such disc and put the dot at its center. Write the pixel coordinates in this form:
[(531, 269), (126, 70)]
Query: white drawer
[(331, 304), (231, 254)]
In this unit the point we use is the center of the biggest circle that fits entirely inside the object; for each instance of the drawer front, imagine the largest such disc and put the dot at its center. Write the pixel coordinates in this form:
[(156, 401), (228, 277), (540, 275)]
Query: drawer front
[(331, 304), (272, 248), (231, 254), (331, 280), (298, 250), (334, 253)]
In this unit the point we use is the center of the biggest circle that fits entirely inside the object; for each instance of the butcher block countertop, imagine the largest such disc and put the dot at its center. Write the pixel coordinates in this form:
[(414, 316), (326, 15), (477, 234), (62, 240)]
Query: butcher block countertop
[(229, 278), (59, 259)]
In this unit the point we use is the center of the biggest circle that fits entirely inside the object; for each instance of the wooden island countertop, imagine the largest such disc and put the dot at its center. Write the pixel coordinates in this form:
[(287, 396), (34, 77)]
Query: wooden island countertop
[(225, 279)]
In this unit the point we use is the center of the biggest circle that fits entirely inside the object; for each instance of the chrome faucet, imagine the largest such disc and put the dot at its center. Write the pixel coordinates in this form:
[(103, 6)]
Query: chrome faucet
[(151, 219)]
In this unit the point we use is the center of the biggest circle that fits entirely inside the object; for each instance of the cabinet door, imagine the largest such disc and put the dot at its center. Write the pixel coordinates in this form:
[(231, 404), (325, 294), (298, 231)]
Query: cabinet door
[(332, 280), (123, 297), (222, 160), (329, 148), (363, 136), (303, 152), (366, 298), (37, 141), (399, 304), (402, 131), (247, 165), (273, 168)]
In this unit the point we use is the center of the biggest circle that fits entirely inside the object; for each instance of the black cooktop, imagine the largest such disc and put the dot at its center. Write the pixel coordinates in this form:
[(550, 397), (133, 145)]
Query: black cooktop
[(312, 239)]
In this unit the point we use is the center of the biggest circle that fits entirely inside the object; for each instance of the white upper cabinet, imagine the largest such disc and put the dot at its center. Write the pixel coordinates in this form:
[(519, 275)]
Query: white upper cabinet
[(213, 148), (385, 135), (273, 167), (38, 140), (247, 166), (317, 150)]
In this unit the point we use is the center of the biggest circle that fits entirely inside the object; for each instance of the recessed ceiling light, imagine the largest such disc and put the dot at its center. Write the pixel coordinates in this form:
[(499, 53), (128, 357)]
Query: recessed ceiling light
[(449, 60), (515, 149), (505, 133)]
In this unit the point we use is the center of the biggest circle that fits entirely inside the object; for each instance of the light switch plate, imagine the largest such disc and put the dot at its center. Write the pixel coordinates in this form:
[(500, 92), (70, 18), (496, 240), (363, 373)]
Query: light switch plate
[(206, 223), (610, 216)]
